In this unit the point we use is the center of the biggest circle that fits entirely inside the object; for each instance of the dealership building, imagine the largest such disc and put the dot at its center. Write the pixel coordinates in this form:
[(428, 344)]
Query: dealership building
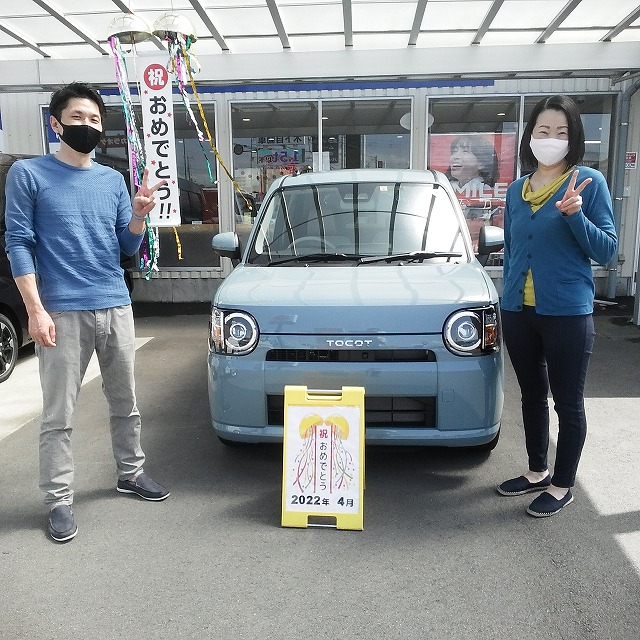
[(286, 86)]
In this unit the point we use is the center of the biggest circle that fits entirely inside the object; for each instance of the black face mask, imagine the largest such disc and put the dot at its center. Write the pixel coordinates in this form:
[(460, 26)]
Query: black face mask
[(81, 137)]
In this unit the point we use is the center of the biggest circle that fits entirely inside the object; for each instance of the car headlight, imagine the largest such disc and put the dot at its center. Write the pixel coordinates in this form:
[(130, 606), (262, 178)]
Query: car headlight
[(232, 332), (473, 332)]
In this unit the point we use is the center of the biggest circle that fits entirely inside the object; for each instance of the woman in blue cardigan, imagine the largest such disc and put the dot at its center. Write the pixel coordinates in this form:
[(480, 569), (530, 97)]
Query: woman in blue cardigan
[(557, 220)]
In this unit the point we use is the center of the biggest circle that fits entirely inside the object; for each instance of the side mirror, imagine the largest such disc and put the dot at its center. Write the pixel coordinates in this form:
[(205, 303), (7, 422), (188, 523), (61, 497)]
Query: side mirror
[(490, 241), (227, 245)]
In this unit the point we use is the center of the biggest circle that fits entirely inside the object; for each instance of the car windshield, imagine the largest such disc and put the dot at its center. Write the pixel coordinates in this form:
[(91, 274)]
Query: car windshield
[(350, 221)]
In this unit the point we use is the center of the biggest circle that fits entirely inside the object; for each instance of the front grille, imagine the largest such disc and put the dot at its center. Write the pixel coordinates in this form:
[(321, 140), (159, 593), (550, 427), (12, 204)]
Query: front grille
[(350, 355), (379, 411)]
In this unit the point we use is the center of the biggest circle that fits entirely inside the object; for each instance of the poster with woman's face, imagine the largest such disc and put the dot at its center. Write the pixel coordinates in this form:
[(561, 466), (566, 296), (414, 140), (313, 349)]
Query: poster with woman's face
[(480, 167)]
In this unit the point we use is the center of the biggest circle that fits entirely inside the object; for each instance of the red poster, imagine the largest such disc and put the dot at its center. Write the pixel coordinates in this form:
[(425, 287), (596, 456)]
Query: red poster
[(480, 167)]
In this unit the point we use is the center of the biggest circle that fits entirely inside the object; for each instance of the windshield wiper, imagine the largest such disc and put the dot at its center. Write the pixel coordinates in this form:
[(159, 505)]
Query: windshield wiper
[(411, 255), (316, 257)]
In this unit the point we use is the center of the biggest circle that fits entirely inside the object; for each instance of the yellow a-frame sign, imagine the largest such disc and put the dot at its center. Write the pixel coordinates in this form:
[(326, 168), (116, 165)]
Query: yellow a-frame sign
[(323, 458)]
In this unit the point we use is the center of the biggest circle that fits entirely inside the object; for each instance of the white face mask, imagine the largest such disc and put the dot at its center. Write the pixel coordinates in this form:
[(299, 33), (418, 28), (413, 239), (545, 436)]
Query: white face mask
[(549, 151)]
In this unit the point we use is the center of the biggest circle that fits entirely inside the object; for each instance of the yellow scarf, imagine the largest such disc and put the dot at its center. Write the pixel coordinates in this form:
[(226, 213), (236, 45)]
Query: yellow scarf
[(537, 199)]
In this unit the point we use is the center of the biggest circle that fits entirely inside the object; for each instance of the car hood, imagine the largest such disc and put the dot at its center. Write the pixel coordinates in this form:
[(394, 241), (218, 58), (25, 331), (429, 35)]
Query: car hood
[(355, 300)]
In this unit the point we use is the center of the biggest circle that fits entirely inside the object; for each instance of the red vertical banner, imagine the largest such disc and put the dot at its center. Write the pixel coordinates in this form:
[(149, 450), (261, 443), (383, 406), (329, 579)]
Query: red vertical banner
[(160, 142)]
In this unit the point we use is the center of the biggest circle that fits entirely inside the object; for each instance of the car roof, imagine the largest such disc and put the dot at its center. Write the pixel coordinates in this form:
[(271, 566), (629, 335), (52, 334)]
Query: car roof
[(341, 176)]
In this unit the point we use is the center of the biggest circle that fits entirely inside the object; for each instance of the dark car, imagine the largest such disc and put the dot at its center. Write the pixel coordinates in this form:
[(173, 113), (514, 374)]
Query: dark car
[(14, 332)]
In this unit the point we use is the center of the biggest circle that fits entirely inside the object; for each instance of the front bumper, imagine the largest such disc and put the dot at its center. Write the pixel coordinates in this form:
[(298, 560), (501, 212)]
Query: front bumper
[(467, 392)]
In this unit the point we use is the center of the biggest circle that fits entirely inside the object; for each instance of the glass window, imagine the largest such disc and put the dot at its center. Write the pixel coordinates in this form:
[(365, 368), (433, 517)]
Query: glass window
[(474, 142), (366, 133), (270, 139), (275, 138)]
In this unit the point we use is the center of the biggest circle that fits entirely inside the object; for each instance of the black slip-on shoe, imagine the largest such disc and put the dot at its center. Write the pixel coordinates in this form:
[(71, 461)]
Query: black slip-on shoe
[(143, 486), (62, 526), (520, 485), (546, 505)]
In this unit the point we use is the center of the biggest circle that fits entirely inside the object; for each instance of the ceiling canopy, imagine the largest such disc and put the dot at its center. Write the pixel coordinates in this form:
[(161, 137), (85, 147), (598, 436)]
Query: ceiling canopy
[(321, 38)]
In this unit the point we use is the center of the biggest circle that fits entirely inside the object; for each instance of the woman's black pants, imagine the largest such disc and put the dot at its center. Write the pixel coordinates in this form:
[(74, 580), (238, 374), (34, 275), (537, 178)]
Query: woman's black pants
[(551, 352)]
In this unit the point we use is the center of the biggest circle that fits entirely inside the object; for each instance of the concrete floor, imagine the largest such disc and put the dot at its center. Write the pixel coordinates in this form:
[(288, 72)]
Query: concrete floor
[(442, 555)]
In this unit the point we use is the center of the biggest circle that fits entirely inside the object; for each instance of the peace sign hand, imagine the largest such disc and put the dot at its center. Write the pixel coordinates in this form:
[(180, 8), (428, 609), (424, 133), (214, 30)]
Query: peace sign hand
[(144, 201), (572, 200)]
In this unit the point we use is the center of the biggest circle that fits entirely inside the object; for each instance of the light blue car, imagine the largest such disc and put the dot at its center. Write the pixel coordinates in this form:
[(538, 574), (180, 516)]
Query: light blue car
[(362, 278)]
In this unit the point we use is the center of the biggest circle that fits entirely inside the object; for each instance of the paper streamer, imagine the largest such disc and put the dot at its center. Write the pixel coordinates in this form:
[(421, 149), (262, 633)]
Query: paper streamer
[(182, 64), (149, 249)]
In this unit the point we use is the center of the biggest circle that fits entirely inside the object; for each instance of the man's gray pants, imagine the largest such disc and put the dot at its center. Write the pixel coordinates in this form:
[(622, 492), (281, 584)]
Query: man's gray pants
[(110, 334)]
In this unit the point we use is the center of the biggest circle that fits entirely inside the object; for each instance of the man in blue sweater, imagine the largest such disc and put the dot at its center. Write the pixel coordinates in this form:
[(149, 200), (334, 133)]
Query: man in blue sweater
[(68, 219)]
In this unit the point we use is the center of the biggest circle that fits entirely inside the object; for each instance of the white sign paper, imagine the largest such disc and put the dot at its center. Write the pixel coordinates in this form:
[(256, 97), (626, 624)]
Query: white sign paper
[(156, 100), (323, 474)]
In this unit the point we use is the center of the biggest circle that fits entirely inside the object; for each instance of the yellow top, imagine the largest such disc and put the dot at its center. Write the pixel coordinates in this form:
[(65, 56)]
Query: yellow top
[(537, 199)]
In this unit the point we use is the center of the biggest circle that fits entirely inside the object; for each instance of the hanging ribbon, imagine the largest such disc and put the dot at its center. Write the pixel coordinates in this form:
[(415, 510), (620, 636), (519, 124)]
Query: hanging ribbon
[(149, 248), (182, 61)]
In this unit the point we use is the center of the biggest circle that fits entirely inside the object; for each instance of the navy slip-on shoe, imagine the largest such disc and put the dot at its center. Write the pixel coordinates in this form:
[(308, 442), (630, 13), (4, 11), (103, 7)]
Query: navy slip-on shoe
[(142, 485), (520, 485), (62, 526), (546, 505)]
